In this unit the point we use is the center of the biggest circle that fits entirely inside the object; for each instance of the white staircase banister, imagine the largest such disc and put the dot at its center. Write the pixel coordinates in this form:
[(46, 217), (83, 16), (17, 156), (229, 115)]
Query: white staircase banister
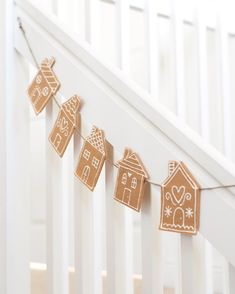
[(126, 108)]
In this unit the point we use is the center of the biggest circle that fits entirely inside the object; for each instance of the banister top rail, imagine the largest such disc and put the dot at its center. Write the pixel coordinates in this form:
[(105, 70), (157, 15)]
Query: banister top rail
[(127, 107)]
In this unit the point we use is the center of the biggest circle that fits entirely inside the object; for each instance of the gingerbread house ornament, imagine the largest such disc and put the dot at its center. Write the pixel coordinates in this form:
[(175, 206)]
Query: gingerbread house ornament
[(131, 180), (180, 200), (44, 85), (65, 125), (92, 158)]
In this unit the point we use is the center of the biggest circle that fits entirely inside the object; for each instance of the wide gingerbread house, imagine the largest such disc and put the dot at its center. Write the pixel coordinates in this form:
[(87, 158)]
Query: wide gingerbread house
[(92, 158), (66, 122), (180, 200), (44, 85), (130, 180)]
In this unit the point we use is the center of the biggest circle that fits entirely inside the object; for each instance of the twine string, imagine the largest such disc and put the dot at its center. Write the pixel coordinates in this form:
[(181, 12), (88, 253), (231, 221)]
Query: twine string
[(78, 130)]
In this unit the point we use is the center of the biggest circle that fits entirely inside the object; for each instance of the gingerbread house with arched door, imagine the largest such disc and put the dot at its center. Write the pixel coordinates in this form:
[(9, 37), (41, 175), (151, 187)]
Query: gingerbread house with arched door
[(92, 158), (180, 200), (131, 180)]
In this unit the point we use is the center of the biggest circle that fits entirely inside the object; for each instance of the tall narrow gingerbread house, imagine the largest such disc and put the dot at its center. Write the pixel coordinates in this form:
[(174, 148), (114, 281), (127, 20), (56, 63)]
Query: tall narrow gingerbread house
[(131, 179), (44, 85), (180, 200), (66, 122), (92, 158)]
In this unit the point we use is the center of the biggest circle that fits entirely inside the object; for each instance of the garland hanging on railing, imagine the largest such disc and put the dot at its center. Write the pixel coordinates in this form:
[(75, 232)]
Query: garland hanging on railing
[(180, 192)]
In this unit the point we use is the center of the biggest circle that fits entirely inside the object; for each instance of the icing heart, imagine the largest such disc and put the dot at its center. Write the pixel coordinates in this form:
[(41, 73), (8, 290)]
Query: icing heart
[(178, 193), (63, 126)]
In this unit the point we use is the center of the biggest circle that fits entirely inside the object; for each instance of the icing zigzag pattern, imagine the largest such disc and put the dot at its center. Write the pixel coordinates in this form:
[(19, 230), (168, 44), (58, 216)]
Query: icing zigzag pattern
[(178, 226)]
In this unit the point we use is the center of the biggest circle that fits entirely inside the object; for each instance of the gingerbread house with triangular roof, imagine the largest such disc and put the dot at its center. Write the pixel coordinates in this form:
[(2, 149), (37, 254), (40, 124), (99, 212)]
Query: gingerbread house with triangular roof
[(131, 179), (92, 158), (66, 122), (180, 200), (44, 85)]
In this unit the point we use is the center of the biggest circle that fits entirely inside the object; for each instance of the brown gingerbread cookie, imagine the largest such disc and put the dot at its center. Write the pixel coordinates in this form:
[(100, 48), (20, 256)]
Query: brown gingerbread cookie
[(91, 159), (130, 181), (65, 125), (180, 200), (44, 85)]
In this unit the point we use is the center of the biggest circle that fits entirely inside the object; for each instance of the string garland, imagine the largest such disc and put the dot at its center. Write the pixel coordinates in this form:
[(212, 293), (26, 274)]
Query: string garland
[(83, 137)]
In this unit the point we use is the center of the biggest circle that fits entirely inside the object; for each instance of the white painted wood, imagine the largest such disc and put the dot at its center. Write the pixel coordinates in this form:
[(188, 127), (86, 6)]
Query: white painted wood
[(152, 265), (191, 85), (129, 243), (231, 274), (4, 59), (92, 23), (79, 17), (119, 237), (98, 197), (99, 80), (126, 89), (109, 222), (123, 34), (152, 23), (202, 265), (201, 36), (215, 100), (54, 6), (57, 261), (202, 249), (177, 23), (186, 263), (232, 92), (18, 185), (178, 274), (84, 226), (78, 283), (223, 41)]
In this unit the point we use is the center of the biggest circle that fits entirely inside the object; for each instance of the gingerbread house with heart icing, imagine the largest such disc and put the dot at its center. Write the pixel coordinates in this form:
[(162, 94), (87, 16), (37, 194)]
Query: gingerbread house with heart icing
[(44, 85), (180, 200)]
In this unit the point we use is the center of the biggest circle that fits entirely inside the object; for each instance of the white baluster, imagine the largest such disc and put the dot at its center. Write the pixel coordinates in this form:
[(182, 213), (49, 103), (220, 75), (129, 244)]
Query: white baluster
[(123, 34), (152, 265), (177, 23), (184, 265), (110, 221), (83, 230), (92, 23), (151, 19), (223, 40), (77, 221), (202, 265), (98, 231), (231, 269), (57, 215), (119, 230), (201, 39)]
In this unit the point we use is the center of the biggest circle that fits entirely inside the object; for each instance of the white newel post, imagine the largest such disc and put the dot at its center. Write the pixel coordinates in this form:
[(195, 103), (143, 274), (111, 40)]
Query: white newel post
[(14, 164), (18, 180)]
